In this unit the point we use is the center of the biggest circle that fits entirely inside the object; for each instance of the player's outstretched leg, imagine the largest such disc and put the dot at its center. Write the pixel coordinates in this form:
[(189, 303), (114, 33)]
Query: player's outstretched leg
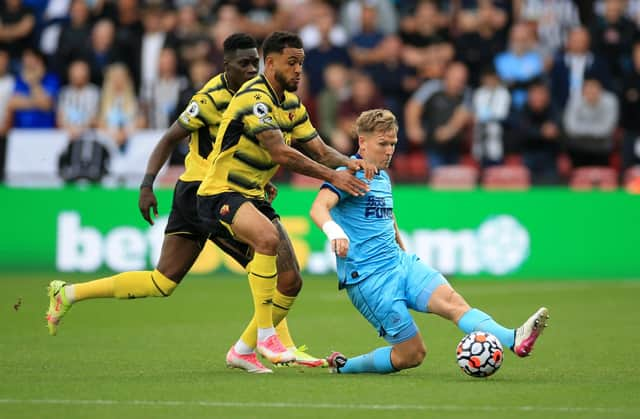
[(408, 351), (527, 334), (248, 362), (59, 305), (446, 302), (125, 285)]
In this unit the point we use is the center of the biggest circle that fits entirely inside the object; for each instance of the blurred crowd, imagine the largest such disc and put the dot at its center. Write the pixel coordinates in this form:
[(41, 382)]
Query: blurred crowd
[(546, 85)]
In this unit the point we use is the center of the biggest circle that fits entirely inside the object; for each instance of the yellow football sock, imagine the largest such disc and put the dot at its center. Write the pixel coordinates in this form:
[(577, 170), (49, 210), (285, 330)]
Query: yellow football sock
[(281, 304), (262, 280), (282, 329), (137, 284)]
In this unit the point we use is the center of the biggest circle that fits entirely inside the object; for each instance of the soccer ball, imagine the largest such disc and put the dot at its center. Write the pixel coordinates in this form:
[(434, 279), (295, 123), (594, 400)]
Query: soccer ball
[(479, 354)]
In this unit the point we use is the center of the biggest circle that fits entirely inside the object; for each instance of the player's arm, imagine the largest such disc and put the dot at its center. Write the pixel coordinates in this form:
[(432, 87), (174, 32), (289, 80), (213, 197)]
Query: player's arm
[(161, 152), (321, 216), (292, 159), (398, 237), (324, 154)]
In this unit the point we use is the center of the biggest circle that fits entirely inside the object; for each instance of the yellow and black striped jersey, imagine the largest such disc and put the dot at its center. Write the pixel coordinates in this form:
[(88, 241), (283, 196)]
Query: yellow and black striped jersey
[(239, 162), (202, 118)]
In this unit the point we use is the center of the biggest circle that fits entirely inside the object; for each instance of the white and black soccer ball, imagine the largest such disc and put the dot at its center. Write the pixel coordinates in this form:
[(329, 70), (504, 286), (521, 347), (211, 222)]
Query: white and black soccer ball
[(479, 354)]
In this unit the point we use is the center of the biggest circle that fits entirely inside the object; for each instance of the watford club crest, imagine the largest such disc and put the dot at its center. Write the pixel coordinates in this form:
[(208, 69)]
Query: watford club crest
[(291, 116), (224, 210)]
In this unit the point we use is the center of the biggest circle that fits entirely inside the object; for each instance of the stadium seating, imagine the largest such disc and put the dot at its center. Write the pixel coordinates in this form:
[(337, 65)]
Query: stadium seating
[(457, 177), (506, 177), (411, 167), (593, 177)]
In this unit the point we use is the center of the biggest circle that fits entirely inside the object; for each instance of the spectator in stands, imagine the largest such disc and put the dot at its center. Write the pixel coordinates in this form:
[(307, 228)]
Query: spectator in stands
[(33, 102), (630, 118), (395, 81), (17, 26), (49, 26), (631, 11), (572, 65), (192, 41), (427, 46), (589, 124), (363, 46), (74, 36), (553, 20), (154, 38), (490, 109), (261, 17), (169, 18), (364, 96), (78, 102), (438, 113), (311, 33), (102, 51), (336, 90), (478, 45), (351, 15), (612, 37), (161, 98), (227, 23), (521, 64), (119, 116), (7, 84), (125, 14), (474, 14), (327, 51), (299, 12), (535, 133)]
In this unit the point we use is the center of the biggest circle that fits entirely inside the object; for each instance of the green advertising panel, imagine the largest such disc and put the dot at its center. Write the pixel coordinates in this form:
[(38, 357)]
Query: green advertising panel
[(542, 233)]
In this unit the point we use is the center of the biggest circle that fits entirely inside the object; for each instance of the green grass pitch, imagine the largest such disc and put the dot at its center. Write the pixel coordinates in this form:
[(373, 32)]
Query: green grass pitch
[(164, 358)]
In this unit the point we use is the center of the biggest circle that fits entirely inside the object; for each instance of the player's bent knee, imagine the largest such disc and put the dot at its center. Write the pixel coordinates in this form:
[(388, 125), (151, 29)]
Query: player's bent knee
[(410, 359), (417, 356), (409, 354)]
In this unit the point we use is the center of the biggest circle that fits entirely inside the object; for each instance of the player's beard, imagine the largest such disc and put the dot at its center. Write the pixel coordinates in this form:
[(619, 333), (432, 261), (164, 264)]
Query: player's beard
[(282, 80)]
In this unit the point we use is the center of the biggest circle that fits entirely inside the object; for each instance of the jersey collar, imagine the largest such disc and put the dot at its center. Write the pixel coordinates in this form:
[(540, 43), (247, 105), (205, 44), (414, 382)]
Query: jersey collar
[(225, 84), (271, 90)]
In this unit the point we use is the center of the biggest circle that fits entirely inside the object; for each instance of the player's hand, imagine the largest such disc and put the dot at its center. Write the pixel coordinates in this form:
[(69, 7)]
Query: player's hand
[(271, 191), (340, 247), (146, 202), (370, 169), (346, 181)]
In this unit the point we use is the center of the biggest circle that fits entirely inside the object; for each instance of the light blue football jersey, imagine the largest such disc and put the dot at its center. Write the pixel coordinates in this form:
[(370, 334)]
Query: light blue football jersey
[(368, 222)]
